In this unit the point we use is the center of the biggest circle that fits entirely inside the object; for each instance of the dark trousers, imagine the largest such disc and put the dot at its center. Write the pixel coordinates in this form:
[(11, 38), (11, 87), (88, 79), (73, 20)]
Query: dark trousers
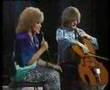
[(70, 79)]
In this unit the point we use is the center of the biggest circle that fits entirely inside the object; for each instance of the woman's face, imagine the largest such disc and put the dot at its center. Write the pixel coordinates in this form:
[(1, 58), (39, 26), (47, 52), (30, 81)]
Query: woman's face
[(36, 27)]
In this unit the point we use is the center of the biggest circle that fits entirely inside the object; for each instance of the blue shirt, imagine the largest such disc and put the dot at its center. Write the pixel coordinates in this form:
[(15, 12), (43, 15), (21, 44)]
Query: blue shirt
[(65, 38), (25, 47)]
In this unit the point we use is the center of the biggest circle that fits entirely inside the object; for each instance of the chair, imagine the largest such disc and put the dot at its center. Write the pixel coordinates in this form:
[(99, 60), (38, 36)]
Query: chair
[(10, 70)]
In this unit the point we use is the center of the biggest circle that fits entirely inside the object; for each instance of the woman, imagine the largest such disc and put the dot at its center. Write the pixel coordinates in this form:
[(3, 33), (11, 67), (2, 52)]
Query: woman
[(29, 46), (68, 36)]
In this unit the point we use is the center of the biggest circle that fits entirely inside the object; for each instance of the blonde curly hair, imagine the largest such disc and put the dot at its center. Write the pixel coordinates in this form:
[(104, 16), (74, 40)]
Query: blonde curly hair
[(70, 14), (28, 17)]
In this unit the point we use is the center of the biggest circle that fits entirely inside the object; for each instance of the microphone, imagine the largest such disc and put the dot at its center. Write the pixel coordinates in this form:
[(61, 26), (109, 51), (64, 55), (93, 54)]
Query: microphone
[(43, 39), (47, 50)]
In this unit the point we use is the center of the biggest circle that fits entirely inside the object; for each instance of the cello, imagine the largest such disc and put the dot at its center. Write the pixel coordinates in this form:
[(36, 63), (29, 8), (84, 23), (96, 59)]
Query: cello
[(91, 71)]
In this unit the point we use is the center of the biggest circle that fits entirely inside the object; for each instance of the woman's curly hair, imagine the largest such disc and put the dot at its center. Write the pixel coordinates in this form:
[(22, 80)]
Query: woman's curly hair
[(28, 17)]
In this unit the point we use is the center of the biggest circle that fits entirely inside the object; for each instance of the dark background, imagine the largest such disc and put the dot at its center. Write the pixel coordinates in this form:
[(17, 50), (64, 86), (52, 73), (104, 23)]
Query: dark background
[(94, 20)]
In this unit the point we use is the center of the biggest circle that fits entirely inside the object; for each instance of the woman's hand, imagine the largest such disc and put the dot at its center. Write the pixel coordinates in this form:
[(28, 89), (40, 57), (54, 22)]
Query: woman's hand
[(44, 45), (54, 66), (57, 67)]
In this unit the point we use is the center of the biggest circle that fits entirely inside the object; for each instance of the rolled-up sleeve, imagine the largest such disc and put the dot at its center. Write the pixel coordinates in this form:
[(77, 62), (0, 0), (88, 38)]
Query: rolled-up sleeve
[(67, 36), (94, 40)]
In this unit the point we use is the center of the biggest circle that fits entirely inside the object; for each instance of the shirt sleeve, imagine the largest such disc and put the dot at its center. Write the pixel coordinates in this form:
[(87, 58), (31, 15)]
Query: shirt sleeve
[(22, 52), (64, 35), (17, 51), (94, 40)]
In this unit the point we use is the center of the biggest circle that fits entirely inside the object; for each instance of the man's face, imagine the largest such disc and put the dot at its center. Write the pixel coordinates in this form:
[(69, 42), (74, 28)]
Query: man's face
[(73, 23)]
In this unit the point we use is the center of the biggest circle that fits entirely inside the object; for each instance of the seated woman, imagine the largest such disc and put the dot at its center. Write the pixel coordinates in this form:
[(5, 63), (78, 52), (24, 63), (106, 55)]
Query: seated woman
[(29, 46)]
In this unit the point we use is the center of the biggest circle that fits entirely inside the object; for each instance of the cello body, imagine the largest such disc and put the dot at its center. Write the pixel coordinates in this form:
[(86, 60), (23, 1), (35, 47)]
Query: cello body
[(91, 71)]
